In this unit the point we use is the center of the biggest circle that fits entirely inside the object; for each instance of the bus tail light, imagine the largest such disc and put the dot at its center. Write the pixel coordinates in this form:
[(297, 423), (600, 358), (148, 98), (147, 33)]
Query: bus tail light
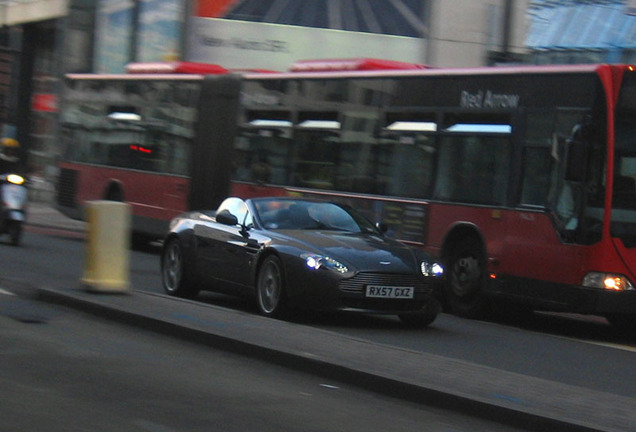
[(608, 281)]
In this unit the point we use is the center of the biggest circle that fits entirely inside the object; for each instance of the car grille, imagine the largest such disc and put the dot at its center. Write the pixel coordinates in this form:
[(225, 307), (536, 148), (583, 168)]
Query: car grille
[(357, 284)]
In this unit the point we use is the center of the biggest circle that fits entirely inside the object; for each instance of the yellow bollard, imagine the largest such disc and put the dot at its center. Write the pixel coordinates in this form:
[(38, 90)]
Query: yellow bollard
[(107, 264)]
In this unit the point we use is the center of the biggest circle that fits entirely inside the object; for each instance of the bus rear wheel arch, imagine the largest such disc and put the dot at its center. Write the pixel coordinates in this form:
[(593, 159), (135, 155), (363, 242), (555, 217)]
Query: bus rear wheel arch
[(465, 259), (114, 192)]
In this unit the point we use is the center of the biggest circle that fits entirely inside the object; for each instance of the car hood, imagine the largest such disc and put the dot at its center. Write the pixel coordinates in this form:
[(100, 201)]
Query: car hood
[(365, 252)]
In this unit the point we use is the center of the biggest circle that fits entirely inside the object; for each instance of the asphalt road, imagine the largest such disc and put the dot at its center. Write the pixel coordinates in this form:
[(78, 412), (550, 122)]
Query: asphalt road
[(581, 352), (585, 352), (66, 371)]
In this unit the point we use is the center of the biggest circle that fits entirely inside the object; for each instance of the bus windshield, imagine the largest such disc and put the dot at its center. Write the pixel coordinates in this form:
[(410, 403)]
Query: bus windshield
[(623, 223)]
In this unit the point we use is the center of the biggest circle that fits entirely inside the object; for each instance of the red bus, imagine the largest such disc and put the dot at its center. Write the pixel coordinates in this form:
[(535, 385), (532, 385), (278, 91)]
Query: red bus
[(521, 179)]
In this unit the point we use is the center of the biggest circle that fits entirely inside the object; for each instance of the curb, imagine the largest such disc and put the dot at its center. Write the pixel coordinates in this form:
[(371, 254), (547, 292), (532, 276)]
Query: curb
[(501, 408)]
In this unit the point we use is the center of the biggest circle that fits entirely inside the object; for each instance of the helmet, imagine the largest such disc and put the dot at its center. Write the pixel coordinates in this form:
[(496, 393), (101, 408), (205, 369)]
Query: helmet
[(10, 149), (10, 143)]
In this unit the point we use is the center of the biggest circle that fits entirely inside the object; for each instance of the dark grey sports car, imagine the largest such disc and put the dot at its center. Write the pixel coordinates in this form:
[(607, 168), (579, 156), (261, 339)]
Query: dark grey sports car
[(297, 253)]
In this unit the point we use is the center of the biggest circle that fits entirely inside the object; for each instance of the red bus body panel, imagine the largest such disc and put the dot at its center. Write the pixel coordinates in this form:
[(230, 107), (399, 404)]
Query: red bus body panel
[(168, 193)]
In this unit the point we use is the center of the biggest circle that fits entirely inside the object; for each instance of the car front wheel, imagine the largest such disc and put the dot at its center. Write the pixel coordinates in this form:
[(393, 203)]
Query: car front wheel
[(174, 274), (270, 288)]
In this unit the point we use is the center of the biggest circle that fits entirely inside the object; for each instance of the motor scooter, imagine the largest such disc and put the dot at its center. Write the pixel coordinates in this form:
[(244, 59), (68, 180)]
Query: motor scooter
[(13, 202)]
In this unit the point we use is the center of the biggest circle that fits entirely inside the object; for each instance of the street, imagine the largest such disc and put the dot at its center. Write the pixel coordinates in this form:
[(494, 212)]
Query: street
[(545, 347), (72, 372), (581, 352)]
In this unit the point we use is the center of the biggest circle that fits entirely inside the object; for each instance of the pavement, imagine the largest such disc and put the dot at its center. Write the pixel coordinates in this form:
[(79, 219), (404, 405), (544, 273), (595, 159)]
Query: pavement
[(515, 399)]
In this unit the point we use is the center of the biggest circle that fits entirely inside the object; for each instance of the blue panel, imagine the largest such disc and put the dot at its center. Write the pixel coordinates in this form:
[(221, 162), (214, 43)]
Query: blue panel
[(581, 27)]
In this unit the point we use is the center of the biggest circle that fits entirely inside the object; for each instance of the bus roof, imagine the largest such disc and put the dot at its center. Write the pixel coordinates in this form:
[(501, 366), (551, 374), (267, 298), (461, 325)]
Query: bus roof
[(356, 64), (175, 68), (490, 70), (336, 69)]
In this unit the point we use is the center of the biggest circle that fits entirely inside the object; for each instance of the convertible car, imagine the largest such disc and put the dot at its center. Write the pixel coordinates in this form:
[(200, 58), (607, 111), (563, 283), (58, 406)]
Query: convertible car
[(296, 253)]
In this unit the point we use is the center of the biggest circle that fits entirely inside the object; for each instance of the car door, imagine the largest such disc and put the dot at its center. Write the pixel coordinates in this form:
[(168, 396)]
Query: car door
[(225, 250)]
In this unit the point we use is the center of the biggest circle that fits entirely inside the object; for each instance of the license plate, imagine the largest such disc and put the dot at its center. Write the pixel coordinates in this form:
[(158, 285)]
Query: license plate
[(394, 292)]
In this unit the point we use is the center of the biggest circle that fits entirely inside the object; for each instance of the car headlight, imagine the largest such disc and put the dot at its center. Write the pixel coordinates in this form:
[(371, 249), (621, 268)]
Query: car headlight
[(433, 269), (608, 281), (316, 262)]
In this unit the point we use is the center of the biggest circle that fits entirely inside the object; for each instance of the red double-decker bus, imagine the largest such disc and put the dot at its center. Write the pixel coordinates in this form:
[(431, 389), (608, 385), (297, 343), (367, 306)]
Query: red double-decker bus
[(521, 179)]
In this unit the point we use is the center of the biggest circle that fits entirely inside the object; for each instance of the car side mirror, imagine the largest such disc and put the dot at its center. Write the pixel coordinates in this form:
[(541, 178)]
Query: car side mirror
[(382, 227), (226, 218)]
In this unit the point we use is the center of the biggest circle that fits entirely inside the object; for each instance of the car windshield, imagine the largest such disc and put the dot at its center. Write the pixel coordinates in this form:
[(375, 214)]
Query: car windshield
[(309, 215)]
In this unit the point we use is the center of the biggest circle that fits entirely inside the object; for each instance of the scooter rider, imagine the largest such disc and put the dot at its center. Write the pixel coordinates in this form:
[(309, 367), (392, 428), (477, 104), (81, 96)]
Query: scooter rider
[(13, 192), (9, 156)]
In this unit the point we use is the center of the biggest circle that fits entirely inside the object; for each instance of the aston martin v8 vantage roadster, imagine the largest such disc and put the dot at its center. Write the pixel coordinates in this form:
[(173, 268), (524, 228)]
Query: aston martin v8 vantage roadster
[(297, 253)]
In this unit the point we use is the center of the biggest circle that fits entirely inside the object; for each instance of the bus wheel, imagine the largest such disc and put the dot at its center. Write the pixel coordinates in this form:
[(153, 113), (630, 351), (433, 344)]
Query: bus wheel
[(465, 279), (174, 274)]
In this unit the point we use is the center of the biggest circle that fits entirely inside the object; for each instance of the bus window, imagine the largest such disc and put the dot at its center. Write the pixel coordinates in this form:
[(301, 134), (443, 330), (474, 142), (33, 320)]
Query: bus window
[(262, 148), (312, 91), (536, 175), (407, 154), (406, 165), (473, 169), (538, 158), (474, 159), (317, 141), (179, 150), (357, 159)]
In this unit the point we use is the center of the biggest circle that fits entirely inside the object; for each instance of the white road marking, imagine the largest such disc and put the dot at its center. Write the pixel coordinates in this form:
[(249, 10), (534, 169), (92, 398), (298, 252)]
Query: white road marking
[(6, 292), (608, 344)]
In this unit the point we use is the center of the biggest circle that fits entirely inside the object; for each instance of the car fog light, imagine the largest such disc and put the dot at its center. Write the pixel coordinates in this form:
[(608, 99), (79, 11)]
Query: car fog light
[(432, 269), (607, 281)]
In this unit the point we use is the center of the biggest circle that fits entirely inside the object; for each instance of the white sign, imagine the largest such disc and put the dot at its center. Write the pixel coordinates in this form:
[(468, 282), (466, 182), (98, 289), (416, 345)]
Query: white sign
[(247, 45)]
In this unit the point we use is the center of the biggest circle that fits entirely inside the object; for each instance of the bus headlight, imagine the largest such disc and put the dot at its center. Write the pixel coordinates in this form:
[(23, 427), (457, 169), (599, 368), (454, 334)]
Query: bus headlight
[(608, 281)]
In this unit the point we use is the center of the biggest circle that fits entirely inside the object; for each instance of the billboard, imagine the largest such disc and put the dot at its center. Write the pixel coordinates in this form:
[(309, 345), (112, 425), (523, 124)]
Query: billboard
[(158, 25), (237, 44), (112, 35)]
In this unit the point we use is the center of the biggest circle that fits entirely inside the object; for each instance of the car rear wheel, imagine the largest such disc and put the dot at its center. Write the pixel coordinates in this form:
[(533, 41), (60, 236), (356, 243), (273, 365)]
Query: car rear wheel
[(270, 288), (174, 273)]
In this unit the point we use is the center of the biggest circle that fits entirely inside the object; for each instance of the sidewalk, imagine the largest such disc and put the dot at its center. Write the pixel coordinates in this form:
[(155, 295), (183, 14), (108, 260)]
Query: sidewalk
[(42, 214), (447, 383)]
